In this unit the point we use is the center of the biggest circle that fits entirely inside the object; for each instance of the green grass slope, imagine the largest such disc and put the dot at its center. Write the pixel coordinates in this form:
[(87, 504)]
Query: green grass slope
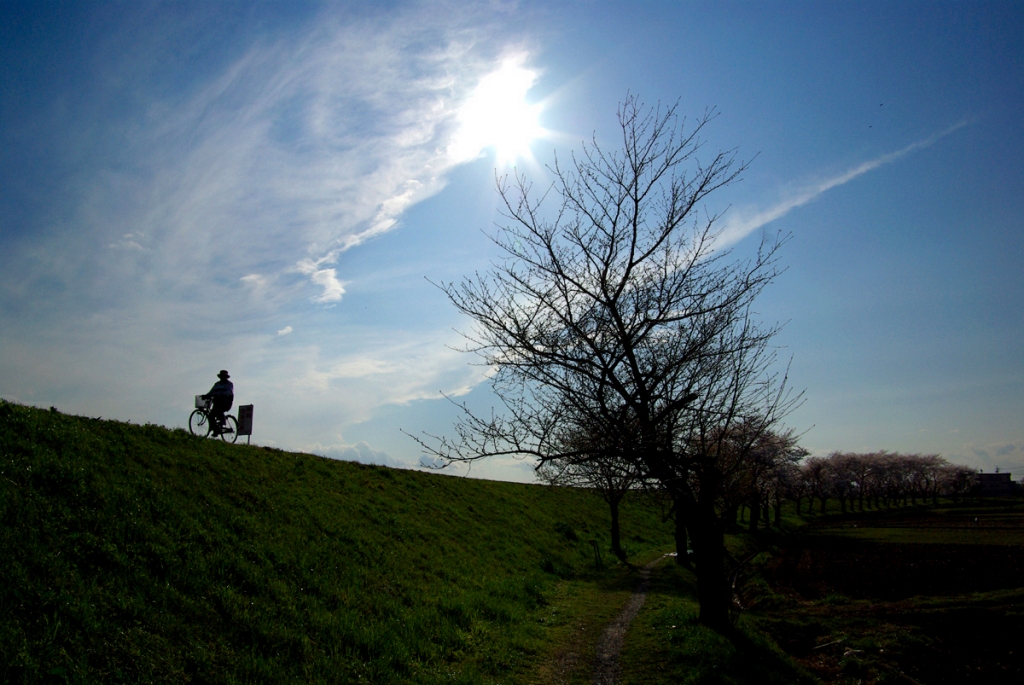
[(138, 554)]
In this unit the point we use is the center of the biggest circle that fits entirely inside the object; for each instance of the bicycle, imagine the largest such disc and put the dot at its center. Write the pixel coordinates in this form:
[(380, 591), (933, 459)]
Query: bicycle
[(200, 422)]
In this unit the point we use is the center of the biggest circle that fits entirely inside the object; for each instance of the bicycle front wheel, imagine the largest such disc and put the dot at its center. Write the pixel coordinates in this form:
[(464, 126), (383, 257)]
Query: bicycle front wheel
[(199, 423), (229, 431)]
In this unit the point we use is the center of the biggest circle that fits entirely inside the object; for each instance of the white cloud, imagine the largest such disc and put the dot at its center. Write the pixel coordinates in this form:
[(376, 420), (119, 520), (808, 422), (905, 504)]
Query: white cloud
[(229, 205), (129, 241), (493, 468), (742, 222), (381, 371), (360, 452), (328, 280), (305, 146)]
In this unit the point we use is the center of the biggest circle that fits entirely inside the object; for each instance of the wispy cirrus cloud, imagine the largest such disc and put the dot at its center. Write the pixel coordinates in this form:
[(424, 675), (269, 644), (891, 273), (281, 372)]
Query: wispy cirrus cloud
[(743, 221), (219, 210), (308, 147), (383, 372), (309, 143)]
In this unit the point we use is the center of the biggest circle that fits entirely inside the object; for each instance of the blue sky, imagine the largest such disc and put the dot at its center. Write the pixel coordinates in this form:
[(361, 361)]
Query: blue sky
[(267, 187)]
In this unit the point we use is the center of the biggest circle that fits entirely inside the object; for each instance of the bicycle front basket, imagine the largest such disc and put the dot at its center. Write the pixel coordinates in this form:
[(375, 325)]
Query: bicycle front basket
[(200, 402)]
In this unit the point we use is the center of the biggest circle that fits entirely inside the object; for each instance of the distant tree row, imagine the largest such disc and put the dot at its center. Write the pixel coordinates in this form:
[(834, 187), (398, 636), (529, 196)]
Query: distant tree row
[(880, 479), (762, 473), (855, 481)]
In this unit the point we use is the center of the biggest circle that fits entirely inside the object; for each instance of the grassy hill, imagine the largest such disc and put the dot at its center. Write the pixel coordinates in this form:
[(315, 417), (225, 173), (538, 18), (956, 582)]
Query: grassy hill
[(133, 554), (138, 554)]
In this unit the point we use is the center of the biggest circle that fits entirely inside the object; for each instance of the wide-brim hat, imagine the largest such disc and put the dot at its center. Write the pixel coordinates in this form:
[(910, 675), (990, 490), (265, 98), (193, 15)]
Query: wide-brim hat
[(223, 374)]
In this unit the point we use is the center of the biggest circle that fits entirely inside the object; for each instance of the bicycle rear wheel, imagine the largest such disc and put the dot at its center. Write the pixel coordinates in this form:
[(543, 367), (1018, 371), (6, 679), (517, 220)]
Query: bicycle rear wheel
[(229, 431), (199, 423)]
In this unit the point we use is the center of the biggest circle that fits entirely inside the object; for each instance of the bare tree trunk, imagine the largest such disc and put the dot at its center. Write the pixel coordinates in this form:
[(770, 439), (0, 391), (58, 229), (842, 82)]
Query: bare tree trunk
[(712, 583), (681, 557), (613, 504), (731, 513)]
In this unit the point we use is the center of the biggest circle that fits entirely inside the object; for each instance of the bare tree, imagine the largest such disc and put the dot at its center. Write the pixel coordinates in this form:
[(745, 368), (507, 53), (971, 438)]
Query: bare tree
[(759, 476), (777, 482), (956, 480), (617, 312), (818, 473), (787, 484), (844, 483), (858, 468), (592, 461)]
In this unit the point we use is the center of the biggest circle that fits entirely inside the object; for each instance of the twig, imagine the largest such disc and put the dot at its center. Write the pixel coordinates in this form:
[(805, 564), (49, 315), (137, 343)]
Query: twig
[(828, 644)]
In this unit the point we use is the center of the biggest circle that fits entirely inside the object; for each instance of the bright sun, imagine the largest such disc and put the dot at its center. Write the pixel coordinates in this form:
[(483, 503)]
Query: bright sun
[(497, 115)]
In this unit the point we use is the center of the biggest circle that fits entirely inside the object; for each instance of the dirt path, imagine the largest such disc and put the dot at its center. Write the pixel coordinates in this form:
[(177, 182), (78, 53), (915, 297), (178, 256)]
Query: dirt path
[(606, 663)]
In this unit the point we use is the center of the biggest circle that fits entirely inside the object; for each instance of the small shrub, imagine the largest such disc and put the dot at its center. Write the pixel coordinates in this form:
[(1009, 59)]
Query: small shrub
[(566, 531)]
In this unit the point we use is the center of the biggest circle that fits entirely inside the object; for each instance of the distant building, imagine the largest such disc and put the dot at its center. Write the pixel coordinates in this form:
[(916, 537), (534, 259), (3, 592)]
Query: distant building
[(995, 485)]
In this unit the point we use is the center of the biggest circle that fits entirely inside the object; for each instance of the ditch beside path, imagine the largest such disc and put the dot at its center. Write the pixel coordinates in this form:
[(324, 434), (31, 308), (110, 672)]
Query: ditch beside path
[(609, 646)]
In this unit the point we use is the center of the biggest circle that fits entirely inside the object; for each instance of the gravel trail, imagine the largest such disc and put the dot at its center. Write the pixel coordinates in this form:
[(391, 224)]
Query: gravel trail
[(606, 663)]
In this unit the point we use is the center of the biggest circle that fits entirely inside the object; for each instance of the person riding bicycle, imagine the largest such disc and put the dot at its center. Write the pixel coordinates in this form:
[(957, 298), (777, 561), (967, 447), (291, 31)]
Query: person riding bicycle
[(223, 395)]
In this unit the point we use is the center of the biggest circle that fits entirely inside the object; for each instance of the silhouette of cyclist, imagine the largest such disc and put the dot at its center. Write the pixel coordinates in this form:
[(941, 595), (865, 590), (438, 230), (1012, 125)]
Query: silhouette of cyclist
[(223, 395)]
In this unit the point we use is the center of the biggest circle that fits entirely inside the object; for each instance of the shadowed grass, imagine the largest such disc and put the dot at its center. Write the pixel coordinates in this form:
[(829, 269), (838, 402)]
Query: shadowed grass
[(666, 644), (931, 537), (997, 522), (576, 616), (923, 593)]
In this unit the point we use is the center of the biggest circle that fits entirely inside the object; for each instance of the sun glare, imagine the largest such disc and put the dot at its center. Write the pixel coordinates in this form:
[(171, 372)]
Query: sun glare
[(498, 116)]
